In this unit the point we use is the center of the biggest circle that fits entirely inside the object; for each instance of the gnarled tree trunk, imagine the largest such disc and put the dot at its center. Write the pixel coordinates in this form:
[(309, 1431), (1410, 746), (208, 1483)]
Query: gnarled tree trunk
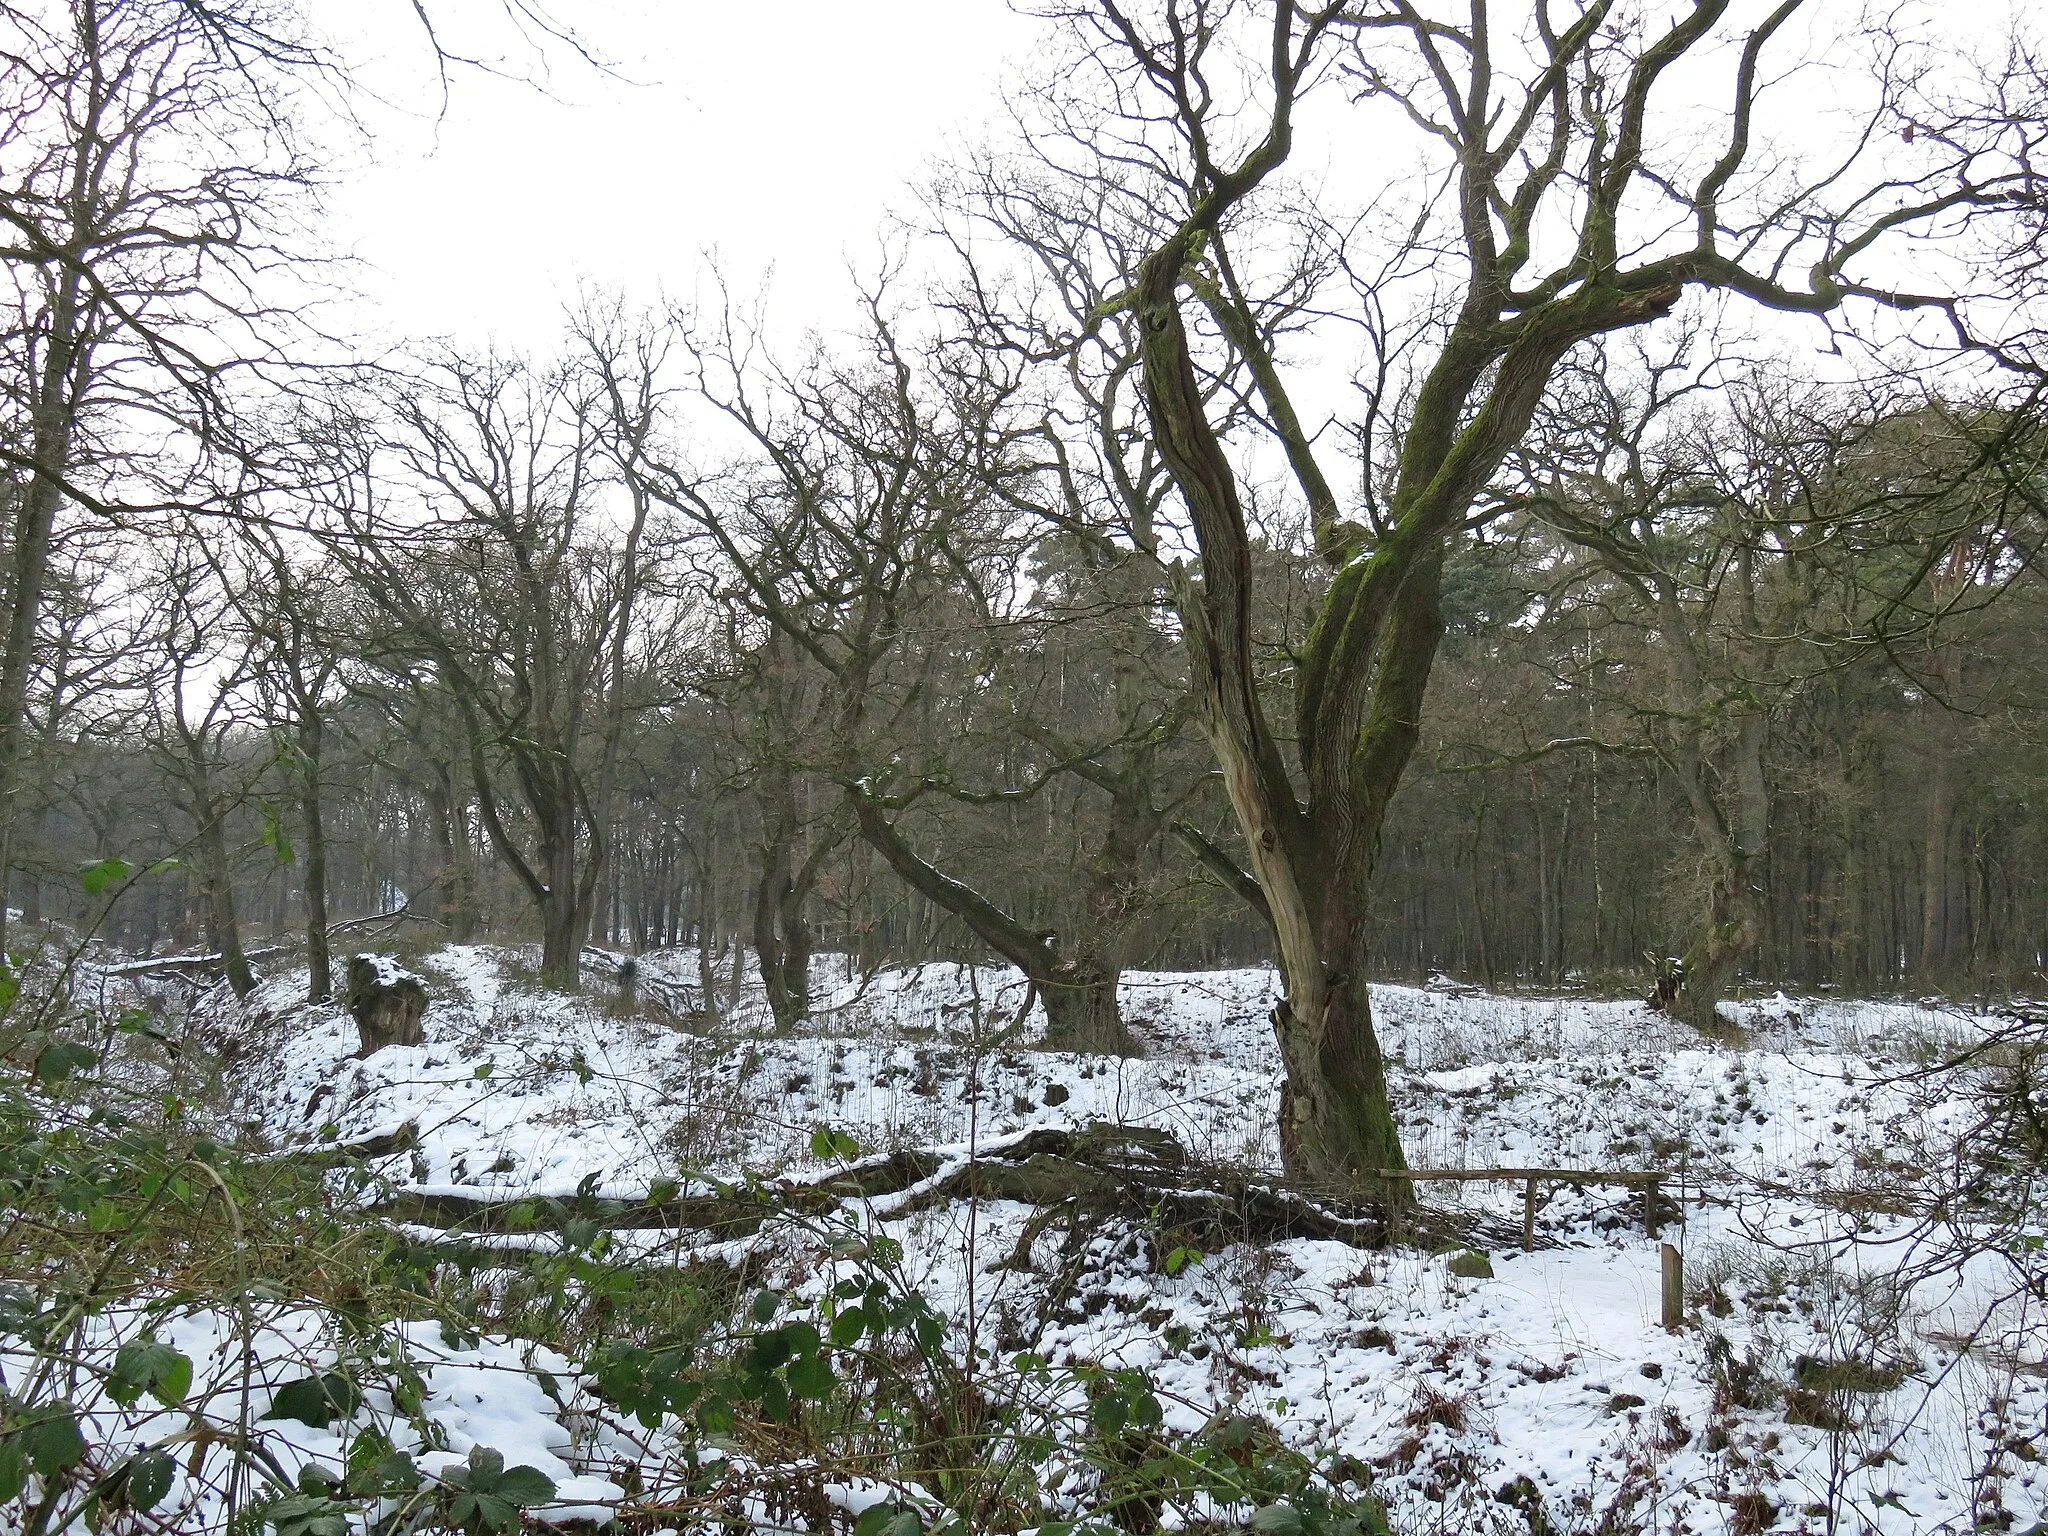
[(1364, 666), (789, 872), (1082, 1013), (1080, 1003)]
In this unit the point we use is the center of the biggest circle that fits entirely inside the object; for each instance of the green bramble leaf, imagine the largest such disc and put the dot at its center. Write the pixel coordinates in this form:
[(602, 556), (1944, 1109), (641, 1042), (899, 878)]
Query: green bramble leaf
[(136, 1021), (307, 1514), (274, 836), (491, 1495), (60, 1060), (98, 876), (888, 1520), (13, 1470), (828, 1144), (1110, 1413), (54, 1441), (147, 1478), (315, 1401), (526, 1486), (769, 1350), (811, 1376), (1278, 1520), (149, 1367)]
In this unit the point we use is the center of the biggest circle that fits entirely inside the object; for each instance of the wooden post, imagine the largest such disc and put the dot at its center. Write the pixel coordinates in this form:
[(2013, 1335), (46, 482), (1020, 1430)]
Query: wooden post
[(1650, 1205), (1528, 1215), (1674, 1287)]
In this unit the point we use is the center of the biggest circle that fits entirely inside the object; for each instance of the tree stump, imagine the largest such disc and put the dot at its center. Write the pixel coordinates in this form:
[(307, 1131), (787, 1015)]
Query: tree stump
[(386, 1001)]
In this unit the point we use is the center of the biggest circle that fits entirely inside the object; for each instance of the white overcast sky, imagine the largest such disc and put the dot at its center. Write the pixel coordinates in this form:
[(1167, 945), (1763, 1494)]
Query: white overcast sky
[(778, 136)]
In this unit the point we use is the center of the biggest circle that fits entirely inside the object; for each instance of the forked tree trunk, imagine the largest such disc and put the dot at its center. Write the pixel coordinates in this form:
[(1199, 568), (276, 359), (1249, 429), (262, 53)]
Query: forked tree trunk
[(563, 899), (1364, 666), (1313, 864), (784, 953), (1733, 926), (1082, 1015), (782, 945)]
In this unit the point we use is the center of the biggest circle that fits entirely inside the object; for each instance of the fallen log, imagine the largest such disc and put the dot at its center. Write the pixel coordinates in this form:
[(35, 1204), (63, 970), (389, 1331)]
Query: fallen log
[(189, 967), (1131, 1172), (403, 913), (383, 1144)]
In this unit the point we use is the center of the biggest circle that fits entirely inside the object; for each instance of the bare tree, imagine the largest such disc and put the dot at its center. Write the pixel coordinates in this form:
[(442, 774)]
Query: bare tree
[(780, 710), (150, 158), (287, 603), (502, 571), (78, 661), (882, 530), (189, 685), (1565, 215)]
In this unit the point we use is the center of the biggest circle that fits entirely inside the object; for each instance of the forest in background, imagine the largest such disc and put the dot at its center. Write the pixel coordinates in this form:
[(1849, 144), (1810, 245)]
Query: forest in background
[(1544, 837), (1589, 623)]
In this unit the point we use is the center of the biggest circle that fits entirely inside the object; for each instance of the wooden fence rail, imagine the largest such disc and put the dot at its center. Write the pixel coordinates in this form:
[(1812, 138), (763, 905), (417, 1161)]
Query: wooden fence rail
[(1649, 1182)]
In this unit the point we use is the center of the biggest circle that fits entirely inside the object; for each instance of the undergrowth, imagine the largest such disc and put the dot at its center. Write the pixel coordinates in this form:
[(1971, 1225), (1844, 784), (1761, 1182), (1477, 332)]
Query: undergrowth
[(177, 1312)]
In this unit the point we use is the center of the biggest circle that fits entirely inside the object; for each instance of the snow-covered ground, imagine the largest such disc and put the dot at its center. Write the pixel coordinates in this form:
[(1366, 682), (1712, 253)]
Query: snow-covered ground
[(1552, 1369)]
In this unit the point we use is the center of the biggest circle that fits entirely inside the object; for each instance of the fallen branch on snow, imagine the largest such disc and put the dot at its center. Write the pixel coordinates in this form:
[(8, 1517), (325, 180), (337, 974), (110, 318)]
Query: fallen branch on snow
[(1102, 1171)]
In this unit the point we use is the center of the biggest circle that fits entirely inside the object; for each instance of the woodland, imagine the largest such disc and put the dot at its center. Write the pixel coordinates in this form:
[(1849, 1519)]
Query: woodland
[(1537, 501)]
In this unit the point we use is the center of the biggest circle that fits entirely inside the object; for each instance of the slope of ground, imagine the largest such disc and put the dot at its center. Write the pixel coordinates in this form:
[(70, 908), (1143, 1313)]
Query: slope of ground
[(1844, 1364)]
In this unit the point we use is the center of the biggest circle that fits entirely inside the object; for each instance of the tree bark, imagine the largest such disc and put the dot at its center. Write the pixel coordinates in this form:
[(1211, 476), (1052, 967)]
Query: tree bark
[(1082, 1014), (565, 907), (217, 883), (782, 935), (1937, 838), (53, 428), (1734, 924), (1364, 667), (455, 876), (319, 965), (704, 857), (1337, 1122)]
